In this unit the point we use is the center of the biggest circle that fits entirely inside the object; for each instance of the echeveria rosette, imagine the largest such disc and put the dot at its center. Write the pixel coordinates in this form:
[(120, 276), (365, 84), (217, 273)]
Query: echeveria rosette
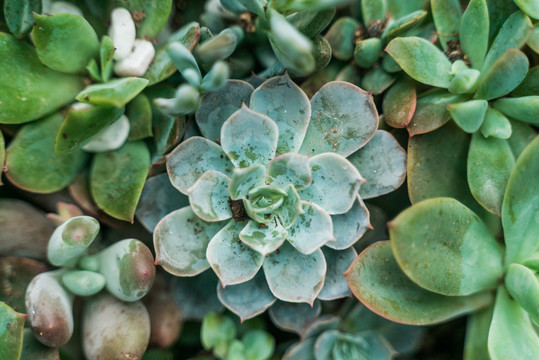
[(279, 191), (442, 262)]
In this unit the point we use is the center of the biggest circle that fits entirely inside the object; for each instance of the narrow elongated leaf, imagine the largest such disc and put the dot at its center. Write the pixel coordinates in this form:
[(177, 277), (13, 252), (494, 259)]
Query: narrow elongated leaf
[(403, 24), (139, 113), (117, 92), (473, 34), (524, 108), (11, 332), (19, 17), (520, 208), (446, 15), (117, 179), (58, 47), (477, 328), (399, 104), (449, 240), (523, 286), (421, 60), (377, 281), (490, 162)]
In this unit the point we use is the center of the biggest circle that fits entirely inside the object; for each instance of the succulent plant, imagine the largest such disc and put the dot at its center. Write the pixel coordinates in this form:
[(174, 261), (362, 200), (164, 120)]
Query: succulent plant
[(11, 332), (442, 262), (278, 190)]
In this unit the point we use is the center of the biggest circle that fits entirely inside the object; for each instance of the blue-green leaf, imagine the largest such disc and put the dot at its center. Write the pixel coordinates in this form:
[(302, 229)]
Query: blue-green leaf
[(209, 197), (311, 230)]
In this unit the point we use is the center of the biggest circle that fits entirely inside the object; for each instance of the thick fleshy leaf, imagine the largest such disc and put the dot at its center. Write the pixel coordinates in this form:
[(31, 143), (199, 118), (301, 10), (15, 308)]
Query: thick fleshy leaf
[(341, 37), (421, 60), (286, 104), (503, 76), (377, 281), (444, 232), (11, 332), (19, 18), (217, 106), (117, 92), (20, 67), (17, 273), (83, 282), (311, 22), (180, 241), (249, 138), (349, 227), (523, 286), (196, 295), (33, 165), (2, 155), (373, 10), (367, 52), (496, 125), (217, 332), (311, 230), (335, 183), (150, 18), (248, 299), (33, 349), (520, 207), (185, 62), (513, 35), (490, 162), (290, 168), (431, 111), (139, 113), (263, 201), (446, 15), (343, 119), (209, 197), (117, 179), (246, 179), (293, 276), (291, 207), (521, 135), (476, 340), (56, 46), (294, 317), (529, 7), (338, 261), (530, 84), (217, 47), (533, 40), (70, 240), (403, 24), (399, 104), (334, 344), (109, 138), (303, 350), (473, 34), (524, 108), (263, 238), (192, 158), (377, 81), (81, 123), (382, 162), (511, 334), (468, 115), (233, 262)]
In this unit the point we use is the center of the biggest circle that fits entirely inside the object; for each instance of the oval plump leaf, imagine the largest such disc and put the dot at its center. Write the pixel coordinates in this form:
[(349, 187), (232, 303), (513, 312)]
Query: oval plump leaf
[(117, 92), (341, 38), (349, 227), (523, 287), (524, 108), (473, 35), (447, 17), (11, 332), (33, 165), (209, 197), (290, 169), (529, 7), (71, 239), (377, 81), (311, 230), (18, 14), (490, 162), (65, 42), (83, 282), (139, 113), (377, 281), (264, 239), (496, 125), (343, 119), (286, 104), (117, 179), (520, 207), (21, 66), (399, 104), (468, 115), (421, 60)]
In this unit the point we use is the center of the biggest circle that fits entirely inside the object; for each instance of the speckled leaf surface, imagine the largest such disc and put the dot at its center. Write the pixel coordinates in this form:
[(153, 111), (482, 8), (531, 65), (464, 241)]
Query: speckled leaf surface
[(33, 165), (520, 208), (335, 183), (294, 317), (11, 332), (249, 138), (335, 285), (444, 232), (291, 207), (524, 108), (192, 158), (286, 104), (246, 179), (447, 17), (349, 227), (117, 179), (150, 17), (248, 299), (56, 46), (399, 104), (311, 230), (21, 66), (290, 168), (18, 14), (117, 92), (293, 276), (490, 162), (343, 119), (421, 60), (377, 281), (217, 106), (209, 197), (382, 162), (233, 262), (263, 238)]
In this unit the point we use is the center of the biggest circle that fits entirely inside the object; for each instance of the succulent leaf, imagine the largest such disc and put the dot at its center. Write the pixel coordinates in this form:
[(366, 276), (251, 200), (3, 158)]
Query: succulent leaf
[(109, 138), (373, 10), (341, 37), (216, 78), (33, 349), (155, 15), (117, 92), (530, 84), (264, 239), (303, 350), (399, 103), (496, 125), (219, 47), (311, 230), (521, 135), (83, 282), (290, 169), (185, 62), (196, 295), (377, 81), (139, 113), (529, 7), (367, 52), (477, 328), (217, 332), (333, 344), (2, 154), (246, 179), (524, 108), (468, 115), (311, 22), (106, 55), (349, 227), (209, 197), (11, 332), (376, 279), (473, 35), (291, 207), (403, 24), (19, 18), (523, 286), (335, 285), (447, 18), (294, 317)]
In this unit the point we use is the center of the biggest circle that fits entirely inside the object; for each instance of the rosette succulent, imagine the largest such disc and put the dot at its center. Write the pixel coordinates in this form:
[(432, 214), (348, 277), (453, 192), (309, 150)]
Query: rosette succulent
[(276, 184)]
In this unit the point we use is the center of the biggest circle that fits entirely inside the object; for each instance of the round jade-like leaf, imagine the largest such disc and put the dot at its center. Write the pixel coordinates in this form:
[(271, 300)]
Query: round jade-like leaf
[(444, 247), (338, 261), (400, 103), (11, 332), (335, 183), (71, 239), (117, 92), (209, 197), (246, 179), (83, 282), (263, 238), (248, 299), (192, 158), (343, 119), (249, 138), (233, 262), (311, 230), (290, 168), (286, 104), (341, 37), (382, 162), (377, 281), (294, 317), (293, 276), (349, 227), (217, 106), (180, 241)]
